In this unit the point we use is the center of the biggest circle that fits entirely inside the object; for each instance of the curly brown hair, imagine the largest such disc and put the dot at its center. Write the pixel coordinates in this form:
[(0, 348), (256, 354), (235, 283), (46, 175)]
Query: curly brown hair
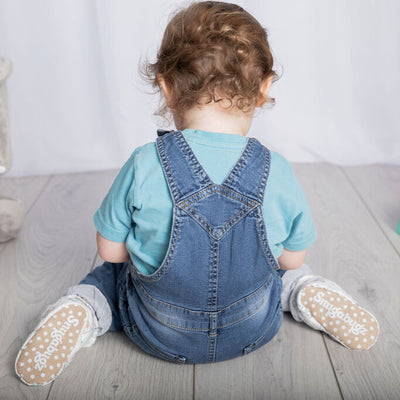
[(212, 50)]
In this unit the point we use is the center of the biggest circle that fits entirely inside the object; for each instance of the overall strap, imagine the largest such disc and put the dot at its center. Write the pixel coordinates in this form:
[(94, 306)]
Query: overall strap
[(184, 173), (250, 174)]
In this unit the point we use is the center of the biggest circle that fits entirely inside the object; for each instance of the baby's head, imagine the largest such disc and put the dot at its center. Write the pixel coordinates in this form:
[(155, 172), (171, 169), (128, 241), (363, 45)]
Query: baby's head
[(211, 52)]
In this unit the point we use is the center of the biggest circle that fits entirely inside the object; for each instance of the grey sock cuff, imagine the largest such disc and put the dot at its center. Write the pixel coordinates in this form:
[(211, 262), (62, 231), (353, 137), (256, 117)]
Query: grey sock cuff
[(289, 280), (98, 302)]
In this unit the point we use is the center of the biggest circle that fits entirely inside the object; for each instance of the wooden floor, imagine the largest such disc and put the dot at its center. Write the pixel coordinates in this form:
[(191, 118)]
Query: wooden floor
[(356, 211)]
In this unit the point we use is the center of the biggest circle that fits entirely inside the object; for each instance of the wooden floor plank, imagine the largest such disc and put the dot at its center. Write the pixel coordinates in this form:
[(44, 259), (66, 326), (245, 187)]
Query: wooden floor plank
[(379, 187), (54, 250), (294, 365), (353, 251), (116, 368), (25, 189)]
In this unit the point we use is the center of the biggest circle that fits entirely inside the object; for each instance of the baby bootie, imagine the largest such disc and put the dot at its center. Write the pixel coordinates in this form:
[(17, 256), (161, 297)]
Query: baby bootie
[(323, 305), (65, 327)]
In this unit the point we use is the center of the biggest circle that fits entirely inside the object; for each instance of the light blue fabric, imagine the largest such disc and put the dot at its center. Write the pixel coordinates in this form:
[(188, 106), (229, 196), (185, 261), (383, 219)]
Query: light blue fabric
[(138, 207)]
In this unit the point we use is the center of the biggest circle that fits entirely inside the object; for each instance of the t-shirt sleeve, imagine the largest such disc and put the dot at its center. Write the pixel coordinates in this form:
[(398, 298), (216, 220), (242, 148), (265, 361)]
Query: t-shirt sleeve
[(113, 219), (302, 233)]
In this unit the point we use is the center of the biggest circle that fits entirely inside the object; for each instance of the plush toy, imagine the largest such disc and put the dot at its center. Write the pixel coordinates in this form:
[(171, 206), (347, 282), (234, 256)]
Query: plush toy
[(11, 210)]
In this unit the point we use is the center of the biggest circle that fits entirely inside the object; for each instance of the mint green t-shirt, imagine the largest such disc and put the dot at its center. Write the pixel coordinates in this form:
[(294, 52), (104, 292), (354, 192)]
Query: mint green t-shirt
[(137, 209)]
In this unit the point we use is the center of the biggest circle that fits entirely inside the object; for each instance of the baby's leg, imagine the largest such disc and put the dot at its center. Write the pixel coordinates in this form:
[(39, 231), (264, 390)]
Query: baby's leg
[(99, 289), (325, 306), (74, 321), (289, 280)]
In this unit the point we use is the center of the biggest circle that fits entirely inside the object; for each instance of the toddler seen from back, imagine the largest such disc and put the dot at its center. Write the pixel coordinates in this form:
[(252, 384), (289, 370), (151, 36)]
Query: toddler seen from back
[(204, 231)]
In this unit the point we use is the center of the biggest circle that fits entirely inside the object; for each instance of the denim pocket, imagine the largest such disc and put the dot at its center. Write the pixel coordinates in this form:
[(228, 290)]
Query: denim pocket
[(135, 335), (268, 334), (133, 332)]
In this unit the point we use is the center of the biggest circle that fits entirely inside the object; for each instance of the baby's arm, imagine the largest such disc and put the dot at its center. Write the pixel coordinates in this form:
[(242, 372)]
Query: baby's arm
[(113, 252), (291, 259)]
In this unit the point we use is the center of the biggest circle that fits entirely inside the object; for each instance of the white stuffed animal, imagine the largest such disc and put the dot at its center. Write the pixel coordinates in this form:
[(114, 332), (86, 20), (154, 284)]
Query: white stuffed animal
[(11, 210)]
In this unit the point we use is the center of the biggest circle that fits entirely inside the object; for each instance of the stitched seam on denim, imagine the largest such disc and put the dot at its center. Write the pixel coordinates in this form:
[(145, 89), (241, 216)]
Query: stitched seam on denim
[(212, 299), (257, 341), (200, 223), (216, 300), (214, 339), (175, 326), (262, 176), (128, 329), (165, 266), (204, 313), (266, 283), (261, 186), (248, 314), (214, 276), (251, 204), (200, 218), (211, 230), (211, 347), (235, 219), (193, 163), (167, 168), (192, 158), (244, 149), (208, 348), (239, 166), (266, 173), (261, 222), (212, 314), (235, 173), (216, 281), (229, 224), (215, 191), (221, 190), (168, 356), (263, 238)]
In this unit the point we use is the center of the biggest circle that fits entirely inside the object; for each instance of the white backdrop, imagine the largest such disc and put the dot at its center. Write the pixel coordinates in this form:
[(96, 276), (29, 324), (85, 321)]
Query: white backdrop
[(77, 102)]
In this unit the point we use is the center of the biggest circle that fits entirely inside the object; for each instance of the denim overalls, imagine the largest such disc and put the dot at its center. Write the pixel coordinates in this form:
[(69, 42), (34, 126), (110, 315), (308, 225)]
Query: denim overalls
[(217, 293)]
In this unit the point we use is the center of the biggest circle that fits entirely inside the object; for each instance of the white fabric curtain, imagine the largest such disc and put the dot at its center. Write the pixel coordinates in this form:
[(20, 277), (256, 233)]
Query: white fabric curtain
[(77, 103)]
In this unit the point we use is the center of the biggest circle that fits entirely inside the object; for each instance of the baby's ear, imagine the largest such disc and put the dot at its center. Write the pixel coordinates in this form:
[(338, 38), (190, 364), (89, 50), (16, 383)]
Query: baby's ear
[(165, 88), (261, 100), (264, 90)]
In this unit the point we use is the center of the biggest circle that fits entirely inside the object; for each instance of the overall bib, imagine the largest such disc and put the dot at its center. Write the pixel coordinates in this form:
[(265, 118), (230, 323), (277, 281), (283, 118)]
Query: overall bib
[(217, 293)]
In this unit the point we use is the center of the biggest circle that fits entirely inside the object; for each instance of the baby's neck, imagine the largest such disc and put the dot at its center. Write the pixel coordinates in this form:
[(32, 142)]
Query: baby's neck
[(214, 118)]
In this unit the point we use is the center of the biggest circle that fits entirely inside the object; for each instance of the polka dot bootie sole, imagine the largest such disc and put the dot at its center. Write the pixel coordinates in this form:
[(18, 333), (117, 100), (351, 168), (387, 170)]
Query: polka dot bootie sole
[(328, 308), (66, 327)]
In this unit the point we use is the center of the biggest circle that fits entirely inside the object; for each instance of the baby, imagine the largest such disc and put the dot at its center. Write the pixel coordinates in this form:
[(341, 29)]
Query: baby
[(204, 231)]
